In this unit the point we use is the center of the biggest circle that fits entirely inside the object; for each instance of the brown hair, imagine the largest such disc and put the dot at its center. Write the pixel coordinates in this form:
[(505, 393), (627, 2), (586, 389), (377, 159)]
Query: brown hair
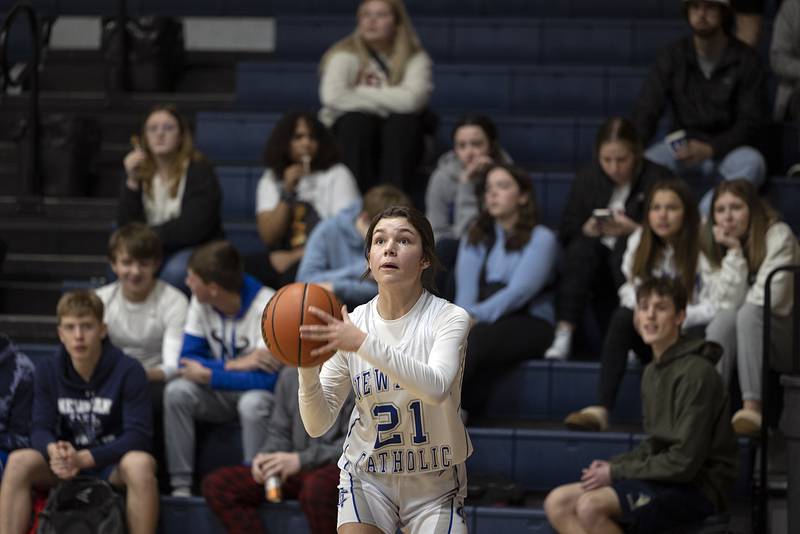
[(406, 43), (186, 153), (621, 130), (79, 303), (685, 243), (664, 286), (137, 239), (218, 262), (423, 227), (528, 212), (382, 197), (762, 216)]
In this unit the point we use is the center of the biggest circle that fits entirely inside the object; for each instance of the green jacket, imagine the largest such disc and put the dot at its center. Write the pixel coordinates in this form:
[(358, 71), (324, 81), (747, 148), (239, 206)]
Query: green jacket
[(686, 417)]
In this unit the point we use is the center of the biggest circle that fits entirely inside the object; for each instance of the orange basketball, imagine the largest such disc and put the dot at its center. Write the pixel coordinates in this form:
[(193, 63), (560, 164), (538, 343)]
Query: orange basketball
[(285, 312)]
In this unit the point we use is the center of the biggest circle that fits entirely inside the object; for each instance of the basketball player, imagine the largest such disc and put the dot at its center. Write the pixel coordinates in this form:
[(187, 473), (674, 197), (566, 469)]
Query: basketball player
[(402, 353)]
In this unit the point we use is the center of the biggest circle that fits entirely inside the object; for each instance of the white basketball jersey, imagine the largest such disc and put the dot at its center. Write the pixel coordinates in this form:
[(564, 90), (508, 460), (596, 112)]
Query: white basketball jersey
[(406, 377)]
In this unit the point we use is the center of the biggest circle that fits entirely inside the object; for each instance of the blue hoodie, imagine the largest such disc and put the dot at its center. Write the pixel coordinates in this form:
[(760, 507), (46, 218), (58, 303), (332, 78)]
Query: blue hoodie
[(16, 397), (110, 415), (212, 338), (335, 253)]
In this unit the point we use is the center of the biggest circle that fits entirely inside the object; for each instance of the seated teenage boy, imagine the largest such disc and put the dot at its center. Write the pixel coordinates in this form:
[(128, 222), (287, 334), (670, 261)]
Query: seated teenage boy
[(306, 466), (226, 372), (685, 469), (145, 317), (91, 416)]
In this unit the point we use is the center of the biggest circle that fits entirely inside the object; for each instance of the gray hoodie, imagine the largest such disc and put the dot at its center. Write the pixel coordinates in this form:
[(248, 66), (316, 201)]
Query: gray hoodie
[(449, 204)]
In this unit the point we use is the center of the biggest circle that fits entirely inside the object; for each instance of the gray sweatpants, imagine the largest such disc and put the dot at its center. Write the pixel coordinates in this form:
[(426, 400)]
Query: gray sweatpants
[(186, 402), (740, 332)]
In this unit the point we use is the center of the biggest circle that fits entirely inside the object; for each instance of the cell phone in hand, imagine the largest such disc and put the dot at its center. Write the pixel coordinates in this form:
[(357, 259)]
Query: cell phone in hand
[(602, 214)]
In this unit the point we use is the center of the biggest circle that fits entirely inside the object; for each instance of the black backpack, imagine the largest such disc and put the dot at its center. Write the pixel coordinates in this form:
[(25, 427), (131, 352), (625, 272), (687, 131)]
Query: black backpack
[(83, 505)]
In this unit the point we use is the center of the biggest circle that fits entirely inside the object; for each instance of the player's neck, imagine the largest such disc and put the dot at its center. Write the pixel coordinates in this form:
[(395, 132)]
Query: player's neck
[(396, 302)]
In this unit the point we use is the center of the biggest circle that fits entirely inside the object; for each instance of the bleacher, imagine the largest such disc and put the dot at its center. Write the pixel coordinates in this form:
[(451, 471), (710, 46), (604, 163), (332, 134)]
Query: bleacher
[(547, 71)]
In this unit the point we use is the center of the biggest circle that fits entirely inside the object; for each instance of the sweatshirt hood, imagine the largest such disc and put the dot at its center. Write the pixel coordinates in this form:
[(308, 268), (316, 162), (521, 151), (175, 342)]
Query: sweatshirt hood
[(345, 222), (686, 347), (67, 375)]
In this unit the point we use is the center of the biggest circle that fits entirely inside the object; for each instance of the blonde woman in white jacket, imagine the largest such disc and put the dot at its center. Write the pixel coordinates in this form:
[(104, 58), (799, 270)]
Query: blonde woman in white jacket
[(744, 242), (375, 84)]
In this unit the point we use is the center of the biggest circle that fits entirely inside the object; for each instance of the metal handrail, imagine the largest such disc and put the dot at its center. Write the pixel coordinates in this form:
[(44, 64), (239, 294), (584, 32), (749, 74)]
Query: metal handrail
[(32, 183), (766, 403)]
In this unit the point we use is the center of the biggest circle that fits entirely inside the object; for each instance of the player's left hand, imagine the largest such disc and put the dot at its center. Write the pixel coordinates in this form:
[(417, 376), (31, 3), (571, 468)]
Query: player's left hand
[(338, 335), (597, 475), (694, 152)]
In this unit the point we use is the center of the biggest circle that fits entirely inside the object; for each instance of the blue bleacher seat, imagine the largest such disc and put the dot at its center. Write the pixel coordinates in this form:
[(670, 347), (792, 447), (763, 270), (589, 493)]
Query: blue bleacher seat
[(233, 137), (512, 40), (494, 452), (567, 41), (574, 386), (244, 236), (238, 192), (508, 520), (545, 459), (524, 390), (533, 90), (277, 86)]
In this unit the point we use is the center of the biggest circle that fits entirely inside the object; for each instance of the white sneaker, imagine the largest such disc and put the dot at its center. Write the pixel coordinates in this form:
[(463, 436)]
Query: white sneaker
[(562, 345), (182, 491)]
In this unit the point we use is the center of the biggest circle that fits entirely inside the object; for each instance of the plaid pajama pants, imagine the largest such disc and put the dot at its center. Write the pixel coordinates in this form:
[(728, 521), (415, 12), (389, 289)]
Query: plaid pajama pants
[(234, 497)]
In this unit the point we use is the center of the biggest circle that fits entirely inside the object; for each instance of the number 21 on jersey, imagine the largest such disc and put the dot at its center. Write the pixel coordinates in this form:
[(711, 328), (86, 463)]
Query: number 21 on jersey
[(389, 417)]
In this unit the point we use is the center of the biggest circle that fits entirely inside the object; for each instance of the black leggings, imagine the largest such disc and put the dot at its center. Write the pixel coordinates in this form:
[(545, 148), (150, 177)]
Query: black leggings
[(589, 269), (378, 150), (493, 348), (620, 338)]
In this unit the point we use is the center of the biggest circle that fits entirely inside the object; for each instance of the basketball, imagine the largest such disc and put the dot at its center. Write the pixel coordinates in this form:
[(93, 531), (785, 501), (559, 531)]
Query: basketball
[(286, 312)]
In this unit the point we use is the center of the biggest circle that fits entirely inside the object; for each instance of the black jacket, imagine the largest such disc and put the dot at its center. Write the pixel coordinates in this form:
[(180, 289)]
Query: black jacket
[(725, 111), (592, 189), (200, 220)]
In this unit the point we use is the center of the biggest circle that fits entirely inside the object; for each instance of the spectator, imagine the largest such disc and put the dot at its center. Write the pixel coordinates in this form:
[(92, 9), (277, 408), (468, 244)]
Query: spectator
[(618, 182), (16, 399), (685, 469), (715, 86), (375, 86), (145, 317), (306, 466), (304, 182), (91, 416), (171, 187), (506, 265), (450, 200), (667, 244), (226, 371), (745, 241), (335, 258)]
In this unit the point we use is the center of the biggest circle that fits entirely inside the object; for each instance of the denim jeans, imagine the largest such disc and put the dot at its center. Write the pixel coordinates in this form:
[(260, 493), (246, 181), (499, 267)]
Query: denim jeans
[(743, 162)]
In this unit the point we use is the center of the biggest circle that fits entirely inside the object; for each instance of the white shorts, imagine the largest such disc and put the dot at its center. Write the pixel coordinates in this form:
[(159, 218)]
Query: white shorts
[(425, 503)]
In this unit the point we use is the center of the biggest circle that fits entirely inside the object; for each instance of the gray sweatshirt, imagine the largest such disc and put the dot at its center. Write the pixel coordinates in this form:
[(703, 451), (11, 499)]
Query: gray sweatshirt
[(784, 54), (286, 432)]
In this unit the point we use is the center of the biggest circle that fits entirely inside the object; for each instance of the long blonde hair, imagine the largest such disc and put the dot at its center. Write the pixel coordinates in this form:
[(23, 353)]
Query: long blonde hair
[(186, 153), (762, 216), (406, 43)]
